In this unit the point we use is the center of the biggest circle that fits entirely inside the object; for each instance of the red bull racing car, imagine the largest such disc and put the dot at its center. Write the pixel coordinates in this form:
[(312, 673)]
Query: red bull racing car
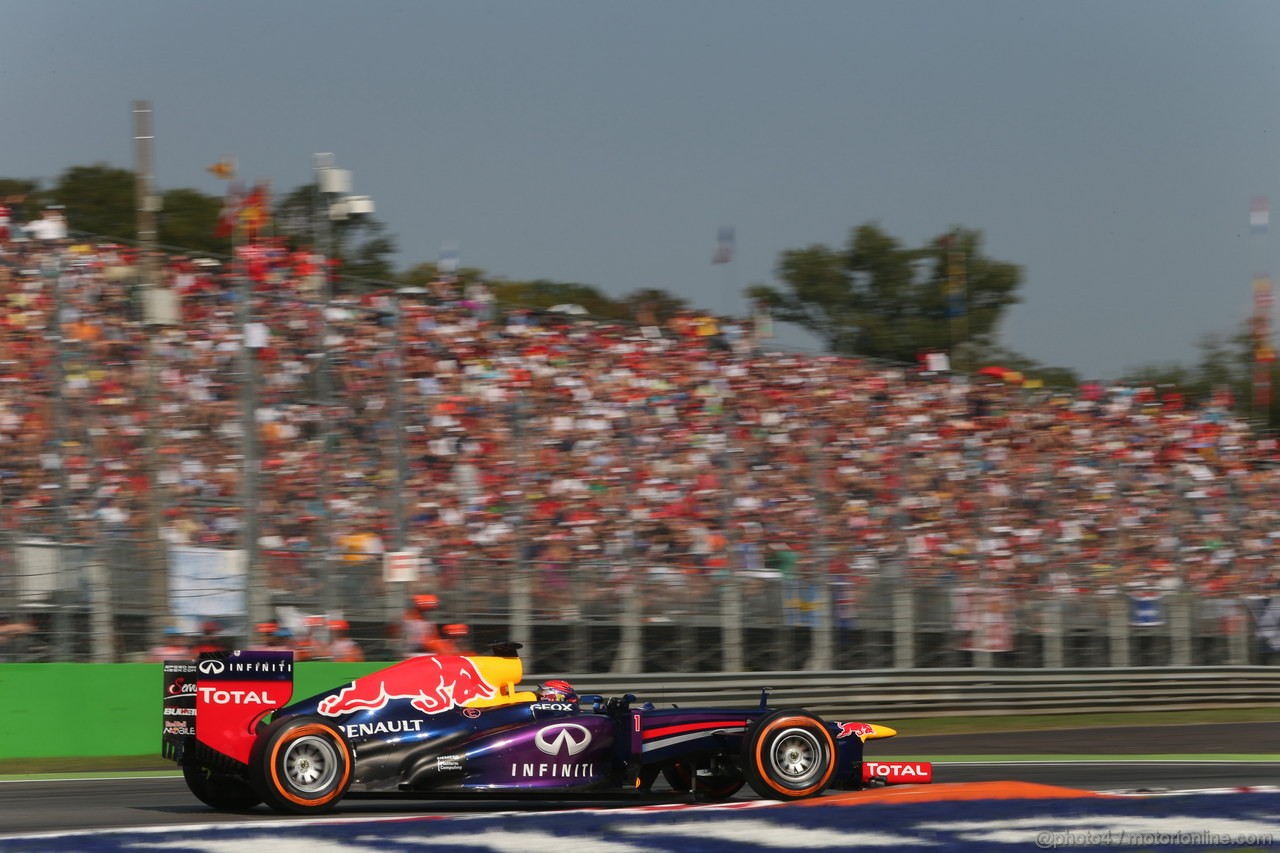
[(437, 726)]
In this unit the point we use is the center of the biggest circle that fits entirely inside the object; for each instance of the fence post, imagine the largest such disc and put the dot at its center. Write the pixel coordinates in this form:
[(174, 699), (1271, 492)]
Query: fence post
[(1238, 634), (731, 625), (102, 647), (522, 611), (904, 627), (629, 659), (1053, 631), (822, 639), (1180, 629), (1118, 628), (63, 647)]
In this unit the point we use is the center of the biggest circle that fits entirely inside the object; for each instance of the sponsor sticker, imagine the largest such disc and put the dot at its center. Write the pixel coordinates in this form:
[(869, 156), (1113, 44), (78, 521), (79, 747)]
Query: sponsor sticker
[(854, 730), (246, 666), (178, 727), (553, 770), (562, 739), (217, 696), (897, 772), (553, 706), (382, 727)]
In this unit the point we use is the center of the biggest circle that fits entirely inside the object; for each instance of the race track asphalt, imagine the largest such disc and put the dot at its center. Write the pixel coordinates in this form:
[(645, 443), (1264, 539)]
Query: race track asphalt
[(28, 806)]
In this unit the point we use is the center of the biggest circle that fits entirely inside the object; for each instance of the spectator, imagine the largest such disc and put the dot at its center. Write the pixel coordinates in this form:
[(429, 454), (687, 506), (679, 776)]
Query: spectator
[(449, 640), (601, 455), (416, 628), (14, 632), (51, 226), (210, 640), (175, 646), (343, 648)]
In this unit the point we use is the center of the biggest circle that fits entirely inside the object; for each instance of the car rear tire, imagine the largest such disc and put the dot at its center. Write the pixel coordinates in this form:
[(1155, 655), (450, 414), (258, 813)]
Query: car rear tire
[(711, 789), (219, 790), (301, 765), (789, 755)]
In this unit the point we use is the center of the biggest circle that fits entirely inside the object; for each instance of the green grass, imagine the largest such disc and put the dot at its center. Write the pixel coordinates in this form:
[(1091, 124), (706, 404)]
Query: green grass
[(1040, 722), (15, 766)]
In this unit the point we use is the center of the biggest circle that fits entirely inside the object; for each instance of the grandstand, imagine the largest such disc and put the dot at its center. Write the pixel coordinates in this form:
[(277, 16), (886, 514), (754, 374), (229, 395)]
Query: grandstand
[(631, 497)]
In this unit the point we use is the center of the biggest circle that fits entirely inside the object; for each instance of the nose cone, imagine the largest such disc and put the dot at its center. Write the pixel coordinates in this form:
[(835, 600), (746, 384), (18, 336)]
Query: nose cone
[(879, 731)]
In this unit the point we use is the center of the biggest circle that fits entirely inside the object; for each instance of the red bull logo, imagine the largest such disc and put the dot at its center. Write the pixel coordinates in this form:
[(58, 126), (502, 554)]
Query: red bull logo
[(433, 683), (854, 730)]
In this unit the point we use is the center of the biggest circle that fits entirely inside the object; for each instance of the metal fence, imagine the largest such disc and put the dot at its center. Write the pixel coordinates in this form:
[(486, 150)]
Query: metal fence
[(902, 693), (92, 603)]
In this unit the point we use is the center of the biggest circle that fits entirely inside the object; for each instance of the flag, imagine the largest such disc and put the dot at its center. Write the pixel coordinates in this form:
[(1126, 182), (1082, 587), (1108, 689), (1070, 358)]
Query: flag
[(224, 169), (255, 210), (230, 211), (1259, 214), (724, 247)]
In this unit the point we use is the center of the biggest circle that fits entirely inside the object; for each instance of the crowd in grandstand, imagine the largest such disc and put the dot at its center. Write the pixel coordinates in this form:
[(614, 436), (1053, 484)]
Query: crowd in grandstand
[(687, 450)]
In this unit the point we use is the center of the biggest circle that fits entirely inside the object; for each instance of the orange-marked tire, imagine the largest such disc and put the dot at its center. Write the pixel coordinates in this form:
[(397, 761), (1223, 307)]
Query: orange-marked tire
[(301, 765), (789, 755)]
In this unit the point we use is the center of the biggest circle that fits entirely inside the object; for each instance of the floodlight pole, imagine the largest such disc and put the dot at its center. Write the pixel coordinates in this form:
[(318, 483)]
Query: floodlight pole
[(158, 308), (333, 203), (257, 596), (323, 241)]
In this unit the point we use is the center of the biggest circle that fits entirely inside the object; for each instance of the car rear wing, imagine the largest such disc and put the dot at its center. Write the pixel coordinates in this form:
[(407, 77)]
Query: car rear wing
[(214, 704)]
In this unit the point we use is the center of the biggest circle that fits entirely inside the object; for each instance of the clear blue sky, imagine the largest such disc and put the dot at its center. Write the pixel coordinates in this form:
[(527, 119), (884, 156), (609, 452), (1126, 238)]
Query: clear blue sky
[(1110, 147)]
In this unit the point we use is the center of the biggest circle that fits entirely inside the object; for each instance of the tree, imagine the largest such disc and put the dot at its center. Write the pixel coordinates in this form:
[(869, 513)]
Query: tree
[(370, 256), (878, 298), (188, 219), (98, 199), (653, 306), (24, 198), (1226, 364), (980, 352), (360, 244), (102, 200), (423, 275), (544, 293)]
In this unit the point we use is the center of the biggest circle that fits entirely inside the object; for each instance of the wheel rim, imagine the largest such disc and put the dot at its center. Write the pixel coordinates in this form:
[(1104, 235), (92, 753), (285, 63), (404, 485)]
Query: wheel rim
[(795, 757), (310, 764)]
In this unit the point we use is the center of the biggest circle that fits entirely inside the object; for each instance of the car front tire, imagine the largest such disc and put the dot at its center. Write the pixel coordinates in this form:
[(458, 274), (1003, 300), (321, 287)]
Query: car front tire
[(789, 755)]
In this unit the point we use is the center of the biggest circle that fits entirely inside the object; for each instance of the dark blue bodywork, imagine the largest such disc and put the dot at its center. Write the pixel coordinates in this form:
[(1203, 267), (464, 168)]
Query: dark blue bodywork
[(599, 745)]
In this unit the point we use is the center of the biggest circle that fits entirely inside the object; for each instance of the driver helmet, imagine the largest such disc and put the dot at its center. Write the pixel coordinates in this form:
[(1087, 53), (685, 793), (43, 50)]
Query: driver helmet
[(557, 690)]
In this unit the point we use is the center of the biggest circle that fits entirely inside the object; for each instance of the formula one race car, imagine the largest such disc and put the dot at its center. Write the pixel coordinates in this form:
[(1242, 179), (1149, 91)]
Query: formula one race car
[(437, 726)]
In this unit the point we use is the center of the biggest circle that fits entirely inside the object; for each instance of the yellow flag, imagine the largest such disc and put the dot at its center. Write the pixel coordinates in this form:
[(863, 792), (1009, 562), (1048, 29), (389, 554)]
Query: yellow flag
[(224, 169)]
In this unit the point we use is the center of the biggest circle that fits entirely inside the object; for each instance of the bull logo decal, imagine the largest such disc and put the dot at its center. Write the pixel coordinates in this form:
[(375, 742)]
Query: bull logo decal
[(433, 683)]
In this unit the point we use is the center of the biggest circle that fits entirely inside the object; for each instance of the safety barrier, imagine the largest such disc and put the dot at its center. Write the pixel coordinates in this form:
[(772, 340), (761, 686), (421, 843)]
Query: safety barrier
[(77, 710), (960, 691)]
